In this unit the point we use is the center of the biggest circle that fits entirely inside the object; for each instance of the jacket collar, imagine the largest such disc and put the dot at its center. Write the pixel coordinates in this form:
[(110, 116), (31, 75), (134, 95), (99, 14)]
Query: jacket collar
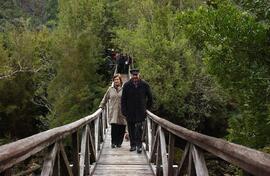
[(120, 88), (113, 86)]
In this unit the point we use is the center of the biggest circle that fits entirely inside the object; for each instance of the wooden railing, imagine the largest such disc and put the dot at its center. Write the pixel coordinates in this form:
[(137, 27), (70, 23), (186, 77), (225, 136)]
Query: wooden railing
[(87, 136), (161, 152)]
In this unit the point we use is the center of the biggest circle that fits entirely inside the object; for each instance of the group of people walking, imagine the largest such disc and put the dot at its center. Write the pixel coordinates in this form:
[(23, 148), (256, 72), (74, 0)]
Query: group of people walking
[(127, 109), (122, 60)]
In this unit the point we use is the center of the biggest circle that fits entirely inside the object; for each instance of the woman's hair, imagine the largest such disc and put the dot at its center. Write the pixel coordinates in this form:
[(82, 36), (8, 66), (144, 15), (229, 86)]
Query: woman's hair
[(119, 76)]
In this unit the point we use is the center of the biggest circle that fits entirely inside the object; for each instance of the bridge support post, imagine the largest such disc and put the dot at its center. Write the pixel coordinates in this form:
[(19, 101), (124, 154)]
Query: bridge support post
[(75, 151), (158, 160), (6, 173), (171, 154)]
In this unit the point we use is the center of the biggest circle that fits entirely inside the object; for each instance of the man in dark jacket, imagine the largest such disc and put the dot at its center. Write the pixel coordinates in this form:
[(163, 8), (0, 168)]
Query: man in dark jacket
[(136, 98)]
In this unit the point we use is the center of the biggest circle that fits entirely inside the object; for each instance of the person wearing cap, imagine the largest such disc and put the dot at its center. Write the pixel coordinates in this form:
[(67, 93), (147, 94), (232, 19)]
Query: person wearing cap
[(136, 98), (116, 118)]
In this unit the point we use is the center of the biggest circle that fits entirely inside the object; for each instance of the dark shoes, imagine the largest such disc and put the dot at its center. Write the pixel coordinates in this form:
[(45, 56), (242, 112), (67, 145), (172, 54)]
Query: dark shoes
[(132, 149), (116, 145), (139, 150)]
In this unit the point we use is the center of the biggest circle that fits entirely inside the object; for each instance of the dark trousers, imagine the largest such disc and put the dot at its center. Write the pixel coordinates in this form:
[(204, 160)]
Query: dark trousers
[(118, 132), (126, 68), (121, 68), (135, 130)]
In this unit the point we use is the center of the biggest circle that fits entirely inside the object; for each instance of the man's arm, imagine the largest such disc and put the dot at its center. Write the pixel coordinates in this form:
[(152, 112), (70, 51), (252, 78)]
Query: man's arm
[(149, 97), (105, 99), (124, 101)]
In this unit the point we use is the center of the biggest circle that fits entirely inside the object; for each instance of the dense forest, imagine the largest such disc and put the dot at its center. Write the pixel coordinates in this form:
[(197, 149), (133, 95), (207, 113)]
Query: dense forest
[(209, 59)]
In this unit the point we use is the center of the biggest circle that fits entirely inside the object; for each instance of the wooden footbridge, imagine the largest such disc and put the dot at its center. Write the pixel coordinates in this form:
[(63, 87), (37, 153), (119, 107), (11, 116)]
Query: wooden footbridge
[(82, 148)]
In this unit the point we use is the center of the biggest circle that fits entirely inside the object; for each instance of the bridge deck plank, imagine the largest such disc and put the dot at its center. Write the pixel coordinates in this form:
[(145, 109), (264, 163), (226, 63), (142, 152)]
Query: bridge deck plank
[(120, 161)]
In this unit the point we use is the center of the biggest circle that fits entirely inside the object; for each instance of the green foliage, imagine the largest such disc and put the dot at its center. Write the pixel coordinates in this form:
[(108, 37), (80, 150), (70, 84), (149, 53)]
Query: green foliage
[(77, 16), (76, 88), (235, 51), (36, 12), (173, 69), (10, 13), (259, 8), (25, 56), (207, 63), (60, 64), (191, 56), (23, 76)]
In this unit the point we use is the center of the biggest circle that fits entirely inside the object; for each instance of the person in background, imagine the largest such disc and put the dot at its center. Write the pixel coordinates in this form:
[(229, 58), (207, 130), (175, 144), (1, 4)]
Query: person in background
[(116, 118), (126, 66), (136, 98), (121, 64), (113, 55)]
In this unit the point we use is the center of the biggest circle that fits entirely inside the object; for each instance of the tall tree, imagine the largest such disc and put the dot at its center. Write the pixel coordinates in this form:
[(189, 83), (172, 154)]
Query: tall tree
[(75, 89), (25, 58), (174, 69), (212, 64)]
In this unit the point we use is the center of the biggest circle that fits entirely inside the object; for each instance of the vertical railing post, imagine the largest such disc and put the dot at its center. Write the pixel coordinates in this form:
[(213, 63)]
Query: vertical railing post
[(171, 154), (96, 124), (146, 137), (104, 122), (88, 158), (191, 169), (75, 153), (107, 114), (64, 163), (84, 157), (183, 164), (6, 173), (153, 133), (50, 163), (198, 160), (116, 69), (163, 151), (58, 165), (149, 136), (158, 159), (100, 131)]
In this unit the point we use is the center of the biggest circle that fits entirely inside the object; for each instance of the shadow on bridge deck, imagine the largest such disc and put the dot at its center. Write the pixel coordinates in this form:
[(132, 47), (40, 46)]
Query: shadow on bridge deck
[(120, 161)]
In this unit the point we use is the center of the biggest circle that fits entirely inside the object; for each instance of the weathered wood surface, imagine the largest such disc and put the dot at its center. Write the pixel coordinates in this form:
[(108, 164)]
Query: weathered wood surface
[(13, 153), (183, 164), (171, 154), (75, 153), (49, 162), (253, 161), (120, 161), (29, 171), (163, 151), (199, 162), (65, 168), (84, 157)]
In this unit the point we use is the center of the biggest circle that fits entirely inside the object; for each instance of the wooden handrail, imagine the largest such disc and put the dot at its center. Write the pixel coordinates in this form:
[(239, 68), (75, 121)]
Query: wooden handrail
[(252, 161), (13, 153), (84, 152), (158, 151)]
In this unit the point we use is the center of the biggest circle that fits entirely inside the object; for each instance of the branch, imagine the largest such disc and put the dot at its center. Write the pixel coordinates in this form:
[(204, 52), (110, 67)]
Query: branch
[(30, 170), (44, 103), (21, 70)]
